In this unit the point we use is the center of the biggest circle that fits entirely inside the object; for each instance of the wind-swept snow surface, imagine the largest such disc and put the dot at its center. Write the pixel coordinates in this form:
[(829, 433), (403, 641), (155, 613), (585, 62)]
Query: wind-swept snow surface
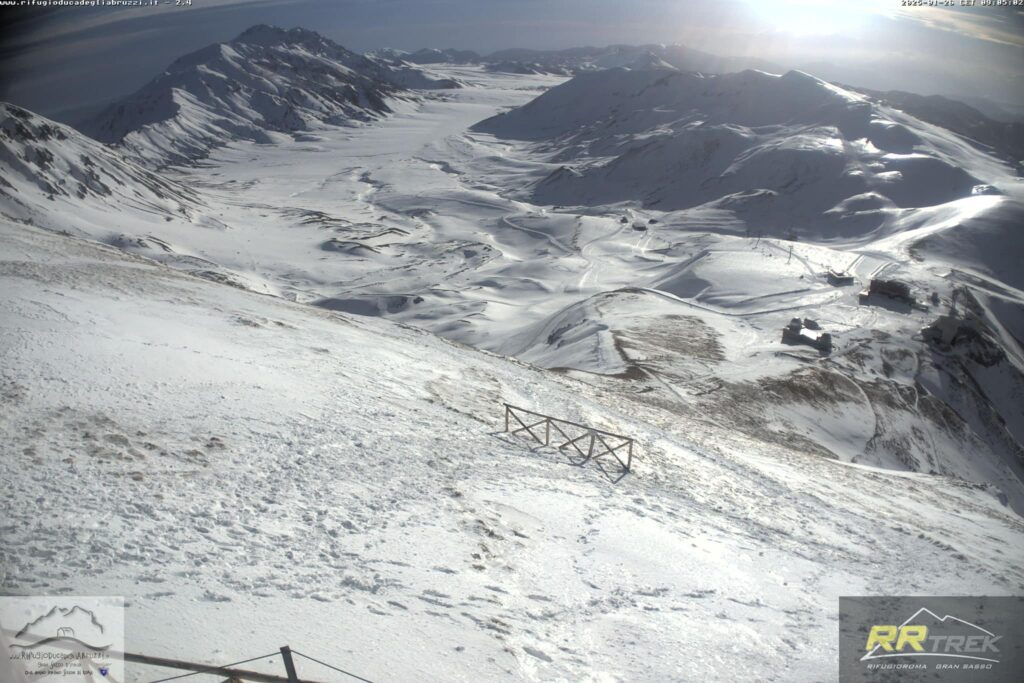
[(250, 471)]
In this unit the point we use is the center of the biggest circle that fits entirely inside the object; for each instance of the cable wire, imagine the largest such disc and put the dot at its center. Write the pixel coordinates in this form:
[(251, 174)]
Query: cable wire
[(214, 669), (329, 666)]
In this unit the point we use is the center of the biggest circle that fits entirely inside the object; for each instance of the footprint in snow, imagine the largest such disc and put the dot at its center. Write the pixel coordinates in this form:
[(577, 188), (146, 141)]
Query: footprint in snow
[(210, 596), (534, 652)]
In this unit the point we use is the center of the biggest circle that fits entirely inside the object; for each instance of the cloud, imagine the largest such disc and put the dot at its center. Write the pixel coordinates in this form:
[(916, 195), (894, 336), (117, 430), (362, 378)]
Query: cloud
[(66, 25)]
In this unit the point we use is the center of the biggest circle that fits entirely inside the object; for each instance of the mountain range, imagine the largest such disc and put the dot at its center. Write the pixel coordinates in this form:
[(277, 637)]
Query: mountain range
[(264, 83), (802, 155)]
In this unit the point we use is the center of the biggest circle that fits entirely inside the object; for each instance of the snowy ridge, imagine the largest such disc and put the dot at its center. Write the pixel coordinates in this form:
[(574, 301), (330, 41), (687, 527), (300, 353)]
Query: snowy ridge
[(523, 68), (265, 82), (580, 59), (792, 151), (448, 56), (1005, 137), (755, 155), (45, 166), (54, 177), (681, 57)]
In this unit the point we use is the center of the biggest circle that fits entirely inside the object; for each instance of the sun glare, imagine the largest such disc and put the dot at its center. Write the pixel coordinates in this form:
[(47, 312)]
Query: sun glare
[(818, 17)]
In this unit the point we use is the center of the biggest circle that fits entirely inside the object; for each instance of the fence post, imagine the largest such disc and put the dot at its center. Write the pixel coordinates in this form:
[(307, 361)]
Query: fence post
[(508, 409), (547, 431), (289, 665), (629, 458), (590, 450)]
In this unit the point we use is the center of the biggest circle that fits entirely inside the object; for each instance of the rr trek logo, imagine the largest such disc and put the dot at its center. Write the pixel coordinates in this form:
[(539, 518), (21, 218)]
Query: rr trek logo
[(926, 634), (931, 639)]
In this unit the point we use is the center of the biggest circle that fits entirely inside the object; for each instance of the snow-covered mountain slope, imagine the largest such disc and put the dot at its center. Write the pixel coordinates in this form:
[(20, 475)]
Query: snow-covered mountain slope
[(54, 176), (214, 456), (448, 56), (886, 399), (788, 152), (265, 82), (524, 68), (1004, 137), (388, 54), (752, 154), (574, 60), (416, 220), (1001, 112), (649, 60)]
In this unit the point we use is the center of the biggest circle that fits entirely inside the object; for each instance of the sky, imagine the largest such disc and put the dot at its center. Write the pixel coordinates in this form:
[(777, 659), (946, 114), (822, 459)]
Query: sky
[(60, 60)]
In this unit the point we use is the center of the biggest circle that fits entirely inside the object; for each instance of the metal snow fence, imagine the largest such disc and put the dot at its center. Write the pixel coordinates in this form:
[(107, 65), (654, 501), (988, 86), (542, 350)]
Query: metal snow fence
[(591, 444)]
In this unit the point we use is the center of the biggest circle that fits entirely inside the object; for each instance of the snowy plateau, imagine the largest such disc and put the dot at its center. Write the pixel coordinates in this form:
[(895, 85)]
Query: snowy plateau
[(257, 331)]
